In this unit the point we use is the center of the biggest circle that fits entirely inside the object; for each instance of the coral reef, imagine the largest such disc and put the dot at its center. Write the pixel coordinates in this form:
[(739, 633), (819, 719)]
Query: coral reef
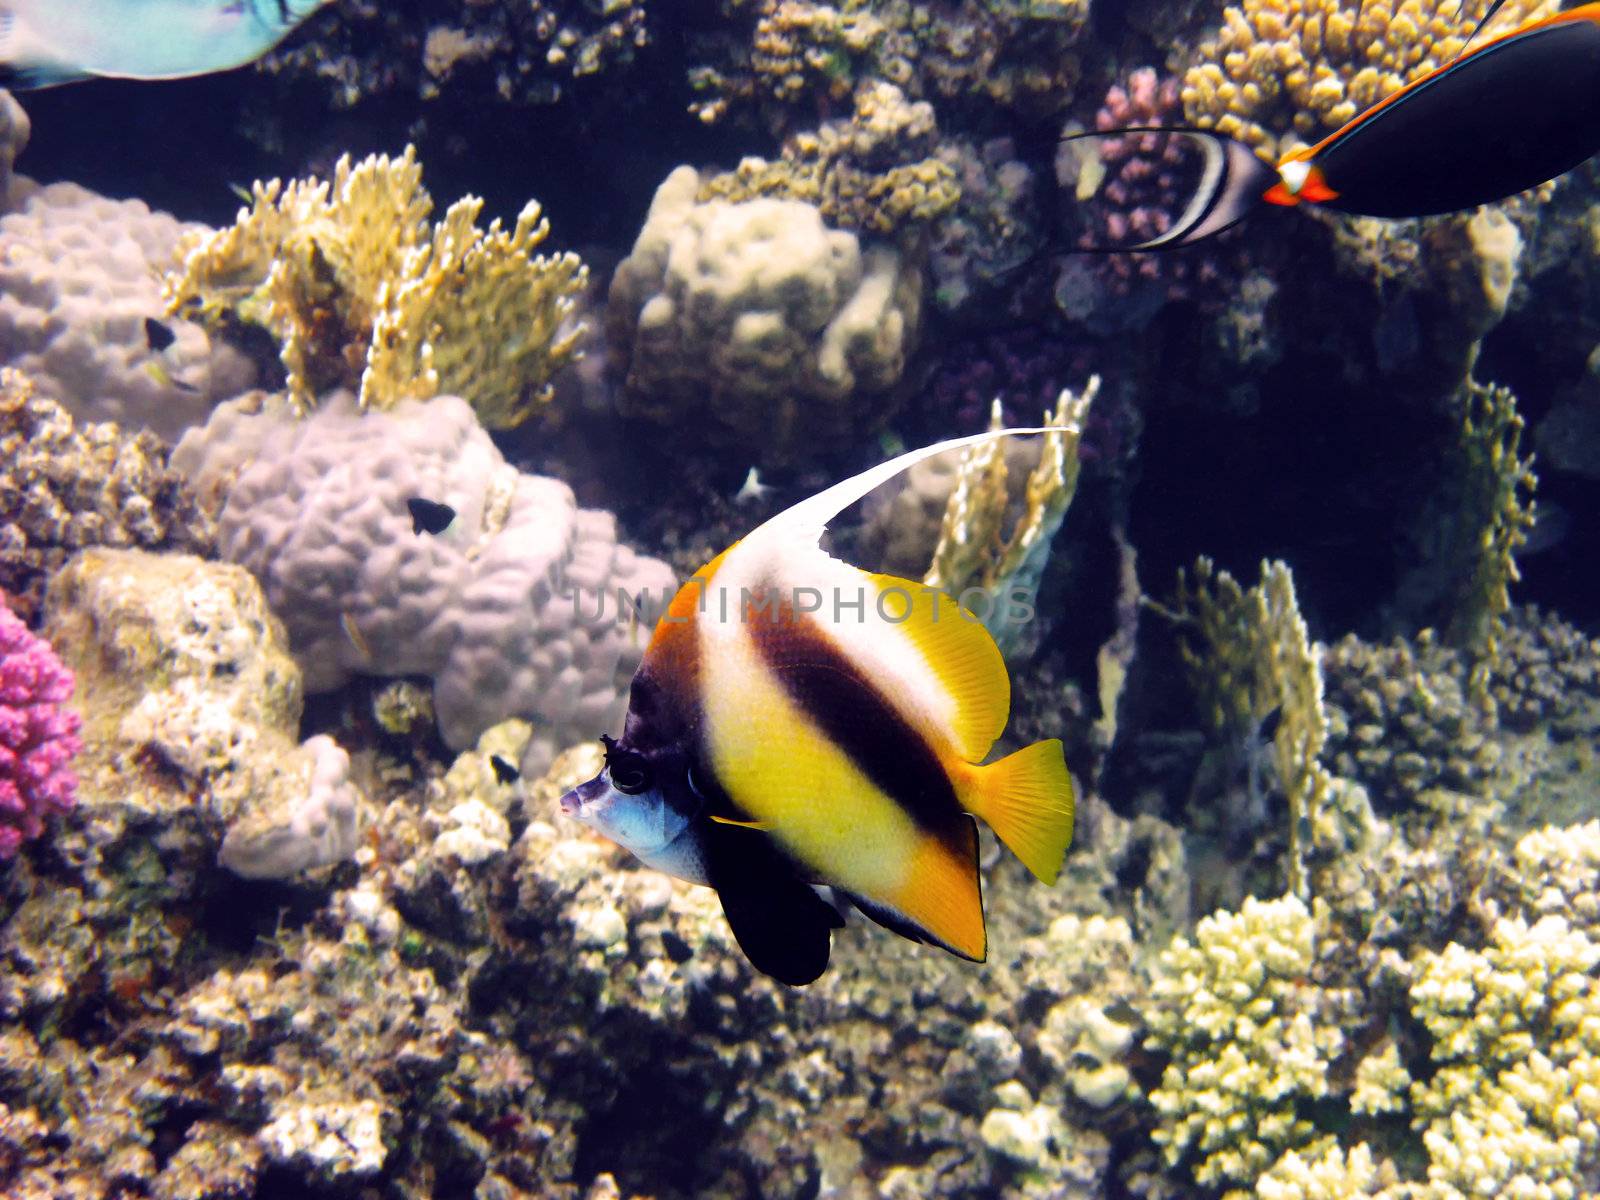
[(530, 53), (38, 735), (757, 326), (186, 678), (1251, 662), (1019, 55), (78, 284), (975, 553), (360, 291), (1284, 73), (995, 227), (65, 486), (515, 609), (874, 173)]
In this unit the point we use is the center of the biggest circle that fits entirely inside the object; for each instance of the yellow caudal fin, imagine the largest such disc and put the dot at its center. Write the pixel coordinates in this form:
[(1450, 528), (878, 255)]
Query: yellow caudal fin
[(1026, 798), (959, 653)]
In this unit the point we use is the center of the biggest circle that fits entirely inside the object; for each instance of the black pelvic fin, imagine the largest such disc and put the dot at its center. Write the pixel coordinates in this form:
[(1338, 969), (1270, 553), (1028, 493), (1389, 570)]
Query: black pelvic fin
[(784, 928)]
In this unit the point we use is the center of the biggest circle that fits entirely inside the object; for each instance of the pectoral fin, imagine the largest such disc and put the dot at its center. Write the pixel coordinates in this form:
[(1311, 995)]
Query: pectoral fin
[(784, 928)]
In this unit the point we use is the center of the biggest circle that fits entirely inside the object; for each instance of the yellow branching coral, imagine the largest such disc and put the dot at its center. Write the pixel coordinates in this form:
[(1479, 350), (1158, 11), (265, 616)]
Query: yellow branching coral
[(359, 290), (1282, 73), (1495, 511), (476, 314), (973, 549), (1249, 655)]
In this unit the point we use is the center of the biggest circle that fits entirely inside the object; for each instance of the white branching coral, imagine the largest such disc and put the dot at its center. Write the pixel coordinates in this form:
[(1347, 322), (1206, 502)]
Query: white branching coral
[(1249, 1038), (1513, 1108)]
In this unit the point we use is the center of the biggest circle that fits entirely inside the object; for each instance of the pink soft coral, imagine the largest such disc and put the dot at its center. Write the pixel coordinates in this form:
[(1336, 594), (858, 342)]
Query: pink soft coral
[(38, 737)]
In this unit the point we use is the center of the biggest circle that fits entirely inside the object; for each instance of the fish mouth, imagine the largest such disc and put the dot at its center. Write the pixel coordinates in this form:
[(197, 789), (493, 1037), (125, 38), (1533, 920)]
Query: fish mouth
[(570, 803)]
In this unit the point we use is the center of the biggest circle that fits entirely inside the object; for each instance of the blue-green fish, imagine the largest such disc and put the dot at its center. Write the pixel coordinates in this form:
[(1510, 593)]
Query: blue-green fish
[(46, 42)]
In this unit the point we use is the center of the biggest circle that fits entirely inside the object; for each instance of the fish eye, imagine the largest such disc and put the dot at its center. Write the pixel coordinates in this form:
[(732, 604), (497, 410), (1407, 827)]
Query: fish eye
[(630, 774)]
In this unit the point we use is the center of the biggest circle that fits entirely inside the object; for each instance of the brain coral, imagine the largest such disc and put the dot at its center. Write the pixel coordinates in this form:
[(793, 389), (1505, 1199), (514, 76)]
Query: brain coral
[(757, 325), (512, 609), (79, 277), (1285, 72)]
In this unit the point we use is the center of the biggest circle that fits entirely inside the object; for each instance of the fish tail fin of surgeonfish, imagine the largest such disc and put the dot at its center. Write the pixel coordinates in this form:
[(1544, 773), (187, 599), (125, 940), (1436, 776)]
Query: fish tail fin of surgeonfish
[(1026, 798), (25, 64)]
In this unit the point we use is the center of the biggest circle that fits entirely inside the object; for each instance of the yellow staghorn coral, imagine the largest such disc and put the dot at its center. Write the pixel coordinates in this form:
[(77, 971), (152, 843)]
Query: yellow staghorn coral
[(359, 290), (1283, 73)]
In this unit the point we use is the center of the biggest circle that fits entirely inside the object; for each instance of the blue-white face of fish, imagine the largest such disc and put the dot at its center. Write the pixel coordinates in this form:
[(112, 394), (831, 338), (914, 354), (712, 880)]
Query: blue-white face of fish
[(628, 804), (45, 42)]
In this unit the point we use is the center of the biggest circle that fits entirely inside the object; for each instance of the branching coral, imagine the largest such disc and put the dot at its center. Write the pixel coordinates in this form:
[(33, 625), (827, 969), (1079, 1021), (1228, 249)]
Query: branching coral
[(359, 290), (1249, 1038), (873, 173), (38, 734), (1286, 72), (1250, 656), (1496, 510), (974, 550)]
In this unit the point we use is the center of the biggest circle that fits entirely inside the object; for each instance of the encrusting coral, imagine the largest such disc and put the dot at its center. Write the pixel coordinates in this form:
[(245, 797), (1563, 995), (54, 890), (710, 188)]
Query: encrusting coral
[(756, 327), (65, 486), (875, 173), (361, 292), (1284, 73)]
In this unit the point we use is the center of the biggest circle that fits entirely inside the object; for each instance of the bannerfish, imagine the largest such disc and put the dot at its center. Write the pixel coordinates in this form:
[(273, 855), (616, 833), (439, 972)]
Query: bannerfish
[(46, 42), (429, 516), (1514, 113), (797, 723)]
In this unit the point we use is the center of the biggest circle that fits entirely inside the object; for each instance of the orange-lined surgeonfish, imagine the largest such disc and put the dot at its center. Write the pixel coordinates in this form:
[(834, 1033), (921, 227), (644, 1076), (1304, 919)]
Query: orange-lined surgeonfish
[(1513, 113), (798, 724)]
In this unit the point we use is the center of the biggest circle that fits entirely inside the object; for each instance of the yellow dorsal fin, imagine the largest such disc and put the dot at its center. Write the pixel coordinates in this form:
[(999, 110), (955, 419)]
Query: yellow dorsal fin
[(1026, 798), (960, 652)]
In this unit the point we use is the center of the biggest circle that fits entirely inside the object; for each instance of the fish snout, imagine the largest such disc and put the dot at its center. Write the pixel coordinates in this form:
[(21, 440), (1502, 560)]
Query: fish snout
[(584, 795)]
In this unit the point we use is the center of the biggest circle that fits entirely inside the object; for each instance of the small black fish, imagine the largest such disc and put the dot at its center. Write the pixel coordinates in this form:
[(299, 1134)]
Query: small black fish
[(504, 771), (157, 335), (429, 516)]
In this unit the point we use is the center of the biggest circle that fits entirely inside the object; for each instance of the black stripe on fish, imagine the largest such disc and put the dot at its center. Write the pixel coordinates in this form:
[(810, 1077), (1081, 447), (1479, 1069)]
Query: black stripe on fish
[(855, 714)]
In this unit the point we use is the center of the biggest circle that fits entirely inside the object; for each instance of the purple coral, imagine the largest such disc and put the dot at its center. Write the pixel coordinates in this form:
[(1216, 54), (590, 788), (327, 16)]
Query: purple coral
[(1149, 179), (38, 737)]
